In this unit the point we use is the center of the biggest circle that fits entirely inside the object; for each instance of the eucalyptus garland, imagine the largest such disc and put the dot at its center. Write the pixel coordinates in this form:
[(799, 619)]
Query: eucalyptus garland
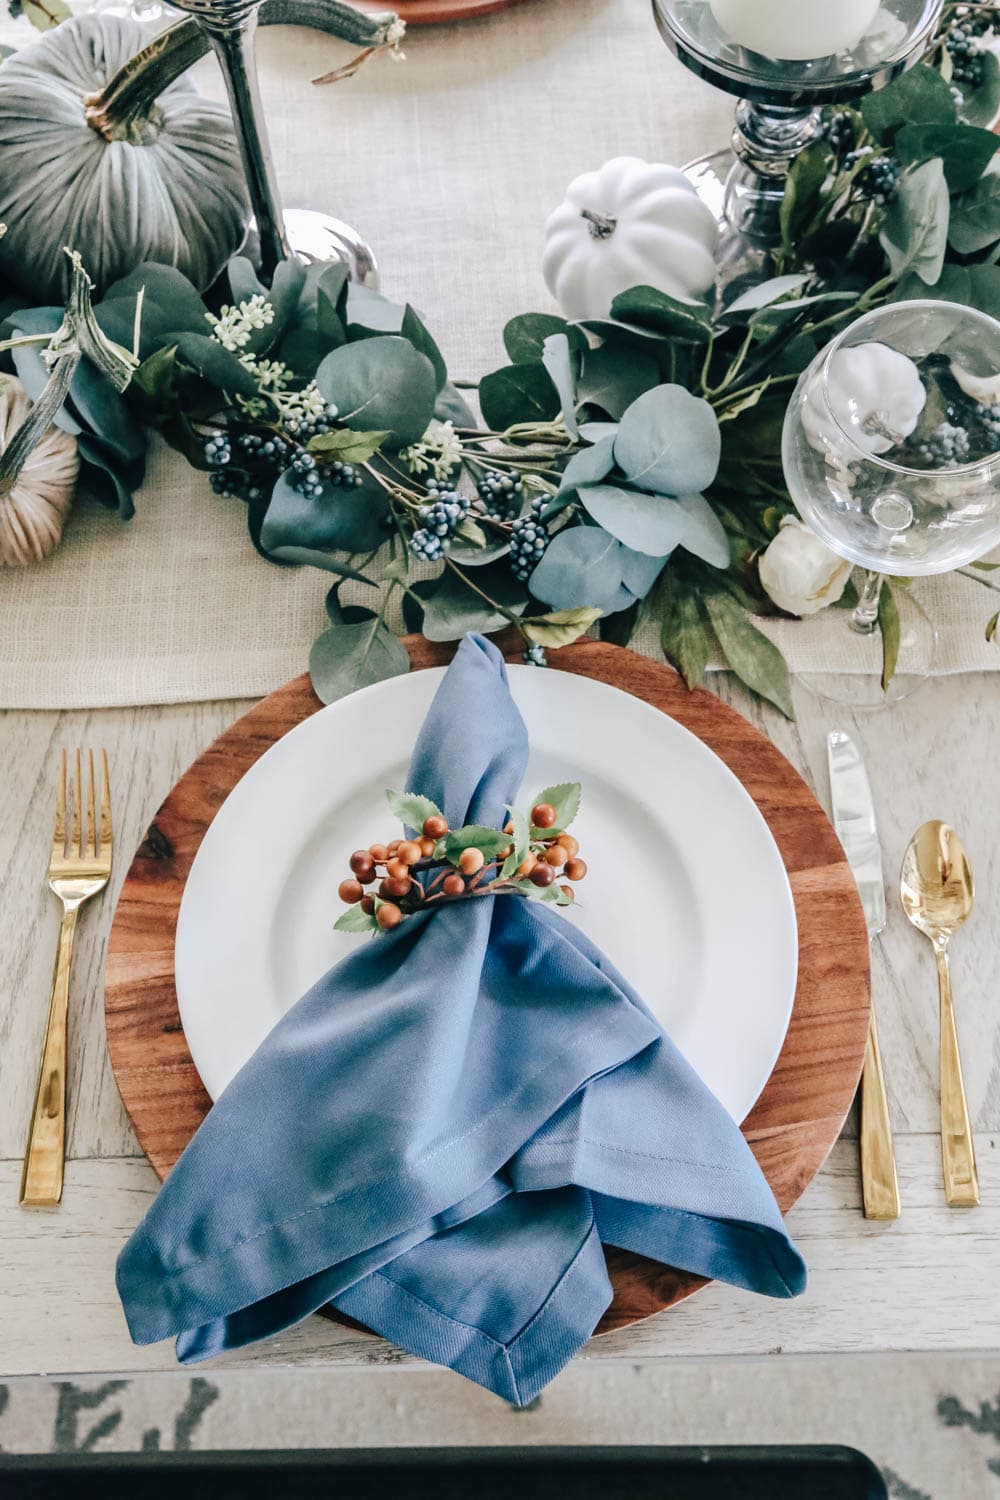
[(614, 471)]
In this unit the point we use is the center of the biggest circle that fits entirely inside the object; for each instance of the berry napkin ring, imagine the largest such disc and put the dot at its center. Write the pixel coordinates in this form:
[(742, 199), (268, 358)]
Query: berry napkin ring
[(390, 882)]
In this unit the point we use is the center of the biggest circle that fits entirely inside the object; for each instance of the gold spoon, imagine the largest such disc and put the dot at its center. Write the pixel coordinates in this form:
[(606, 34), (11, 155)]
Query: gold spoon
[(937, 891)]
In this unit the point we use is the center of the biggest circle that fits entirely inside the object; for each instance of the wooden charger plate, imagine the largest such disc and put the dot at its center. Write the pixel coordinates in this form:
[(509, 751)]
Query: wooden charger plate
[(418, 12), (802, 1109)]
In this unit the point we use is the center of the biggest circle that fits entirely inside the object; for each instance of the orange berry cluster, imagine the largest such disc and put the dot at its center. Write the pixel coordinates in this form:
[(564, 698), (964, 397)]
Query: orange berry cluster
[(384, 877)]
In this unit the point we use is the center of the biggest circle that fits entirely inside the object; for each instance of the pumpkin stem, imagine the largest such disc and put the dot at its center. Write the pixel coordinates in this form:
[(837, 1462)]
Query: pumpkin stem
[(38, 421), (602, 226), (123, 109)]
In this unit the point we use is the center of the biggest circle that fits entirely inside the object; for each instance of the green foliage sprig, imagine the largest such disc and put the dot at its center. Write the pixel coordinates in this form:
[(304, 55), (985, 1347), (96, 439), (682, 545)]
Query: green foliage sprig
[(618, 470)]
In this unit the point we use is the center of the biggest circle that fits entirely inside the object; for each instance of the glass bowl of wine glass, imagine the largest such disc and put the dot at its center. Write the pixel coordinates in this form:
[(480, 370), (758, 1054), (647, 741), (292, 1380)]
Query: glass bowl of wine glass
[(891, 453)]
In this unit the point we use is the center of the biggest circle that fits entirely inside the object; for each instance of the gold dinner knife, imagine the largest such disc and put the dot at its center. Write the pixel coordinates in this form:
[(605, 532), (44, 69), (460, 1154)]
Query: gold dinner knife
[(857, 829)]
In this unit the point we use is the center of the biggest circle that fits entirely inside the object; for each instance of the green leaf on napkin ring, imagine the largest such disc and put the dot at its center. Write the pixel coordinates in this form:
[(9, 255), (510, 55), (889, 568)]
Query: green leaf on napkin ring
[(525, 858)]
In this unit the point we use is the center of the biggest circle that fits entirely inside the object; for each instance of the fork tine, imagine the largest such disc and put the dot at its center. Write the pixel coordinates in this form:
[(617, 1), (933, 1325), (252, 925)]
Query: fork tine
[(77, 845), (59, 834), (105, 804), (92, 831)]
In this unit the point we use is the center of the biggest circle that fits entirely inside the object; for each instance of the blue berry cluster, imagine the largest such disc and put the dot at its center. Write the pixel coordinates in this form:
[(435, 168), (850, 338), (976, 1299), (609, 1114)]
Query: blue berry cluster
[(946, 446), (218, 450), (528, 541), (535, 657), (305, 477), (880, 178), (344, 476), (839, 132), (499, 495), (271, 451), (990, 418), (440, 519), (965, 46), (304, 428), (237, 484)]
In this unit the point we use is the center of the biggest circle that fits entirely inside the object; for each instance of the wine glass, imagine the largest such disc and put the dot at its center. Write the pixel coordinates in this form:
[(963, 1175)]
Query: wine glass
[(891, 452)]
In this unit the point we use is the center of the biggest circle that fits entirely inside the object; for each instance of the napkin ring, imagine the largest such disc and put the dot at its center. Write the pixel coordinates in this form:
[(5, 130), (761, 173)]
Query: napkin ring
[(440, 865)]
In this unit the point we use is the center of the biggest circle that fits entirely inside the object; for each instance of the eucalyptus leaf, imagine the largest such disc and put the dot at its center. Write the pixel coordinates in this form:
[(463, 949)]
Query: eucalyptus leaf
[(558, 362), (381, 384), (518, 393), (524, 336), (452, 608), (346, 658), (965, 150), (653, 524), (653, 309), (612, 378), (750, 654), (639, 572), (921, 94), (169, 301), (310, 557), (669, 442), (703, 532), (593, 432), (44, 17), (590, 465), (451, 406), (765, 292), (991, 628), (581, 567), (338, 519), (214, 363), (413, 329), (975, 215), (561, 628), (915, 233)]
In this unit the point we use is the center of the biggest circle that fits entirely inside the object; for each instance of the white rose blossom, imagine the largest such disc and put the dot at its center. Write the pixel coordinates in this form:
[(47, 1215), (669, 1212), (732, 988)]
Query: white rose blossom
[(800, 573)]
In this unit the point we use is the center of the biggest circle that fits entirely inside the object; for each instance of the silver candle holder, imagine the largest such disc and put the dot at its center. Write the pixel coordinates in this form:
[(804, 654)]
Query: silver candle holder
[(230, 26), (779, 113)]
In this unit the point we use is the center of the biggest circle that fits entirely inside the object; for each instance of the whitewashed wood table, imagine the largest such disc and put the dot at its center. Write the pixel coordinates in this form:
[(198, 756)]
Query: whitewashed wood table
[(926, 1283)]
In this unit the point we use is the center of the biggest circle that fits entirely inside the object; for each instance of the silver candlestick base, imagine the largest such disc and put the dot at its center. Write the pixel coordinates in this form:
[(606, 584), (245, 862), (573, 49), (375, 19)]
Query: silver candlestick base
[(778, 115), (313, 237)]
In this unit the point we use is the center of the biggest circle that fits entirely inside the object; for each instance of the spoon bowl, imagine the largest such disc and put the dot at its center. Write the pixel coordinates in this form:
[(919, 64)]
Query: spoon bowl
[(936, 885), (937, 891)]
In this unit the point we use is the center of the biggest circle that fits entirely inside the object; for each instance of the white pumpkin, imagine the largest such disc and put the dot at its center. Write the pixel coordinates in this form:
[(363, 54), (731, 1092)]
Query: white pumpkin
[(34, 510), (161, 181), (871, 392), (631, 223)]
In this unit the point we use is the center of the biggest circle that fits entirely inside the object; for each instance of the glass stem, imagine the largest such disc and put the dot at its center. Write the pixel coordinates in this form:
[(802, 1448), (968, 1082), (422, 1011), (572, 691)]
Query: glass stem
[(766, 141), (864, 620), (232, 39)]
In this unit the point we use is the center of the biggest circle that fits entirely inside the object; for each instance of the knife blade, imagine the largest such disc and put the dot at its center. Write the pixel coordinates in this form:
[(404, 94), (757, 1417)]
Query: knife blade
[(856, 825), (857, 829)]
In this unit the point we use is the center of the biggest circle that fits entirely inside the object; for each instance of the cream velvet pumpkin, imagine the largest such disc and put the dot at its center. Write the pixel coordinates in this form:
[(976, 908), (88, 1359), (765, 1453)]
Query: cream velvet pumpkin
[(168, 187), (631, 223)]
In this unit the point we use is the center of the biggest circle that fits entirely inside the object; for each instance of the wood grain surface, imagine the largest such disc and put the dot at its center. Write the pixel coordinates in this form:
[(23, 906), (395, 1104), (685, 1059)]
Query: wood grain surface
[(797, 1118)]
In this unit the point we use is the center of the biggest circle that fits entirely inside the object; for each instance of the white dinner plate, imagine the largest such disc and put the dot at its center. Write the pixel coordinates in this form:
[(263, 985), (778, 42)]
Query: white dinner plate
[(687, 893)]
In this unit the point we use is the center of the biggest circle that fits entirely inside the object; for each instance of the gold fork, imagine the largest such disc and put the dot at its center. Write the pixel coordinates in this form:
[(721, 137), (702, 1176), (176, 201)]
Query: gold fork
[(79, 867)]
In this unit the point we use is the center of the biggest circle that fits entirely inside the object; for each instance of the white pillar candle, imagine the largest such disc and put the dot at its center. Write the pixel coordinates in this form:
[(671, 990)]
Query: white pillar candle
[(796, 30)]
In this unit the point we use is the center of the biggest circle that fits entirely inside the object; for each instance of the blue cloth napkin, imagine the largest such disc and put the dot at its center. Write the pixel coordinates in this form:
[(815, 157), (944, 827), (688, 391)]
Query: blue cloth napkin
[(440, 1135)]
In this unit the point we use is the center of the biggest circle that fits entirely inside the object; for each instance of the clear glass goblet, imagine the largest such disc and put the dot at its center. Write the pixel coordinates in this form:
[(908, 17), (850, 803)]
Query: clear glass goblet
[(891, 453)]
